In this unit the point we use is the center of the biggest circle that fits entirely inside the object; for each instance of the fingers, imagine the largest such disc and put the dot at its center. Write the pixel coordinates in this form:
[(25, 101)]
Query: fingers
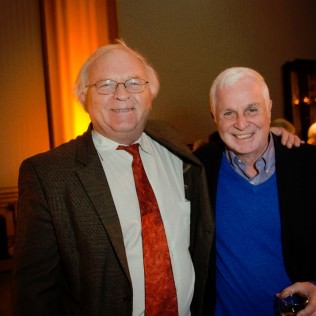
[(287, 139), (305, 288), (290, 140), (297, 141)]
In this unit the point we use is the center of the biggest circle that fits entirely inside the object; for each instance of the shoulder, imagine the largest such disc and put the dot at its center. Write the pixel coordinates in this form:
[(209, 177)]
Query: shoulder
[(161, 130), (203, 152), (303, 157), (64, 154), (303, 150), (167, 136), (212, 151)]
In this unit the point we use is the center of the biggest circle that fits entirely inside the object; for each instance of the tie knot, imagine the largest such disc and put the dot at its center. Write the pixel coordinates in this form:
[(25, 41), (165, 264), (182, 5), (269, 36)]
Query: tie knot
[(132, 149)]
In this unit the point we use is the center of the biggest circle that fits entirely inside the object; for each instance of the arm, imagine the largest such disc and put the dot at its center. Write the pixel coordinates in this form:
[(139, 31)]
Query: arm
[(288, 139), (37, 273)]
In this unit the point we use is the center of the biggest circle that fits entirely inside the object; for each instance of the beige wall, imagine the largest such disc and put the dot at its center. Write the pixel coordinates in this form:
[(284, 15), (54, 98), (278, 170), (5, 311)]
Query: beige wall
[(190, 41), (23, 118)]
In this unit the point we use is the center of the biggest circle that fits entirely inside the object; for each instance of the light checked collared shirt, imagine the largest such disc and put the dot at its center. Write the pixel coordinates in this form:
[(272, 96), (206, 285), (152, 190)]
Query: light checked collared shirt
[(265, 165)]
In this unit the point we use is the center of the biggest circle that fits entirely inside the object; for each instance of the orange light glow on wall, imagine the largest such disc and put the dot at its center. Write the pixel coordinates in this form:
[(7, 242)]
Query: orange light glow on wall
[(73, 29), (306, 100), (296, 102)]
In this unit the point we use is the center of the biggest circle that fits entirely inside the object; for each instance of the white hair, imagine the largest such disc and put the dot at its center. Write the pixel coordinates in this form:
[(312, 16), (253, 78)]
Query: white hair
[(82, 78), (230, 76)]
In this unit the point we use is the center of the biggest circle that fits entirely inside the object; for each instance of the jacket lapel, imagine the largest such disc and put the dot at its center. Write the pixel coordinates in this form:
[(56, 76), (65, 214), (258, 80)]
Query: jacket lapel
[(92, 177), (93, 180)]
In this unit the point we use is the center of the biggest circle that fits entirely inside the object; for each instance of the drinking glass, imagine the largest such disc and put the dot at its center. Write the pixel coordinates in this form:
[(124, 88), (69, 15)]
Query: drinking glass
[(290, 305)]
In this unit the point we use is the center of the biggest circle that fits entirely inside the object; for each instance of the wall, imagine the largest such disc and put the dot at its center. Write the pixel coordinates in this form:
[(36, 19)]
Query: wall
[(24, 129), (190, 41)]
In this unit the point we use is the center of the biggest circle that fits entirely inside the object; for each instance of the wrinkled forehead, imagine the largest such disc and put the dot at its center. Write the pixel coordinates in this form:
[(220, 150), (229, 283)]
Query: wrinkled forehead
[(235, 88), (117, 64), (246, 86), (245, 81), (240, 94)]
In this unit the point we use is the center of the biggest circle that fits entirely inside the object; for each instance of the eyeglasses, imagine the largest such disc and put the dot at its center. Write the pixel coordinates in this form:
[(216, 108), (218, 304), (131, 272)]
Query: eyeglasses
[(108, 86)]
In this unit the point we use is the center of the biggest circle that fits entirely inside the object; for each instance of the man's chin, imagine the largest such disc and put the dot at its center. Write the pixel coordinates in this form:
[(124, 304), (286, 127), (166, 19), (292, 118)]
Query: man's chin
[(240, 149), (128, 129)]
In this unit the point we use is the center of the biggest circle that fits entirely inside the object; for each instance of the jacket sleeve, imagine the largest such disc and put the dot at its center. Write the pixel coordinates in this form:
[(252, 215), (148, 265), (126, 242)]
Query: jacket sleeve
[(201, 233), (37, 277)]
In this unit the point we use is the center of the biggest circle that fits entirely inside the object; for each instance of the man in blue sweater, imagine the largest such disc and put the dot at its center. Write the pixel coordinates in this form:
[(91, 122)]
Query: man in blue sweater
[(263, 195)]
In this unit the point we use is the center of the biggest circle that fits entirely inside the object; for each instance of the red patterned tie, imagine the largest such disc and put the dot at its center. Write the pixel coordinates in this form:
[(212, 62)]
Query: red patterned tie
[(160, 291)]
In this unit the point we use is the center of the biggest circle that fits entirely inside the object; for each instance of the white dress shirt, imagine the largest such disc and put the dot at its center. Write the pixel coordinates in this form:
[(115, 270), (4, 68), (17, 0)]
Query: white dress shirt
[(165, 173)]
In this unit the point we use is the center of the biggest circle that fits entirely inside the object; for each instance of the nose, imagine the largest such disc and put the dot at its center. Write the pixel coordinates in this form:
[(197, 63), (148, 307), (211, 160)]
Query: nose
[(121, 92), (241, 122)]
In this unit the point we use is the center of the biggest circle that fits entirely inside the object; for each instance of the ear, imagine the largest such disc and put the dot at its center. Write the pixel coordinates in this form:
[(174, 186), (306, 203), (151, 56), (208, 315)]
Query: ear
[(83, 97), (213, 117), (270, 106)]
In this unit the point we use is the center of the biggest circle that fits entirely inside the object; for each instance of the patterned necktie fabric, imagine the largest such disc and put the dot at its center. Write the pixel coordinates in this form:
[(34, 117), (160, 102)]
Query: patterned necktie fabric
[(160, 290)]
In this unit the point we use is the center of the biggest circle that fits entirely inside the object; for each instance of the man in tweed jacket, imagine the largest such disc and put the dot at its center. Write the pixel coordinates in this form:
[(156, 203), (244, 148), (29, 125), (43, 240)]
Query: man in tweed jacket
[(78, 246)]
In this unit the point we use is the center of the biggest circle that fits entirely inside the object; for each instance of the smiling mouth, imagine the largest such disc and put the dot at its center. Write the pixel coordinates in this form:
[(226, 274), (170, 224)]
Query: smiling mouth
[(244, 136), (123, 110)]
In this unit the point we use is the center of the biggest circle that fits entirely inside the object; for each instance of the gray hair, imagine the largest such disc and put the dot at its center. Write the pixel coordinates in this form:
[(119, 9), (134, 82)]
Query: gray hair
[(230, 76), (82, 78)]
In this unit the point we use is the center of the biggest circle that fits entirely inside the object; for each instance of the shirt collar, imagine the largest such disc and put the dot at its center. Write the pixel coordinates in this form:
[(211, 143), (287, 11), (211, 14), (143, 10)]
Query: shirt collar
[(265, 164), (103, 143)]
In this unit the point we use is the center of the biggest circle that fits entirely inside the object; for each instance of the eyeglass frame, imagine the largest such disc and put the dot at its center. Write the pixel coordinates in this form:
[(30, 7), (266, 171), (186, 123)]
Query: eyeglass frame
[(117, 83)]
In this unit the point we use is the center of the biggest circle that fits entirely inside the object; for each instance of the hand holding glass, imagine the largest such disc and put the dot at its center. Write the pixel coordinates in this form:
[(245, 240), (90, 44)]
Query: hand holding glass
[(290, 305)]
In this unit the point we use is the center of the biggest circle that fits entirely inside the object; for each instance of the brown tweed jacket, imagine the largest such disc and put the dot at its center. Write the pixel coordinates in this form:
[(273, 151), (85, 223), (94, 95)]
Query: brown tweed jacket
[(70, 255)]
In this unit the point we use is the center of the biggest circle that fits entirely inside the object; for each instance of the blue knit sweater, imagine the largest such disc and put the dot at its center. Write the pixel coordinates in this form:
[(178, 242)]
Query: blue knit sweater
[(249, 262)]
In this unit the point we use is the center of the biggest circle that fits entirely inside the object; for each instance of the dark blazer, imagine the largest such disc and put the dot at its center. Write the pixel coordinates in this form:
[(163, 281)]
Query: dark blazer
[(70, 252), (296, 181)]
